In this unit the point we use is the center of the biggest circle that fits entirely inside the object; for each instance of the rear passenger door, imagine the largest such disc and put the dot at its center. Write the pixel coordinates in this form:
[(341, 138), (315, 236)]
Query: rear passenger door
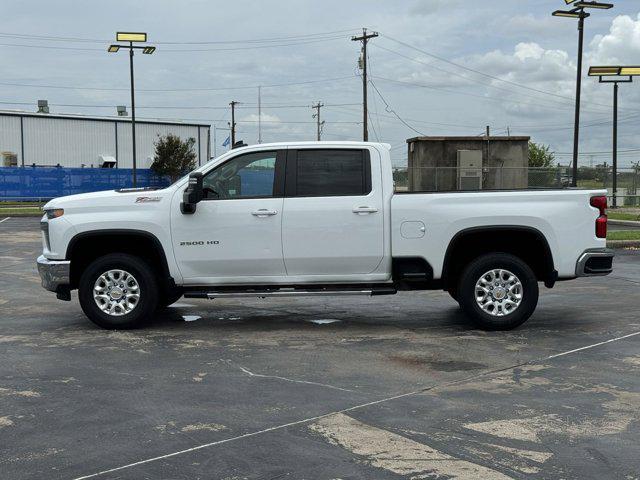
[(333, 218)]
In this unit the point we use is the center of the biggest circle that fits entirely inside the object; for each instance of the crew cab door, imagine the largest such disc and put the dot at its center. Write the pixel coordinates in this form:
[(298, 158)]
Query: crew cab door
[(235, 234), (333, 216)]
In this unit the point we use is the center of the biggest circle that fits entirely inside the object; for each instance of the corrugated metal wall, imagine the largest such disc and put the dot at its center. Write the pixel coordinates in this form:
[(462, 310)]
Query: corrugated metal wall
[(10, 136), (72, 142)]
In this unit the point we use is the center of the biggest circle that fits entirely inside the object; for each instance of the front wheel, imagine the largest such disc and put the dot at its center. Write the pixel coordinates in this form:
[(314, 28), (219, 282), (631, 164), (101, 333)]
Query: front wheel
[(498, 291), (118, 291)]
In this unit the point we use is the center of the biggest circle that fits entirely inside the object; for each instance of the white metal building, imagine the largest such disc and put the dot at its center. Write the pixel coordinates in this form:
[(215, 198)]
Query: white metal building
[(83, 141)]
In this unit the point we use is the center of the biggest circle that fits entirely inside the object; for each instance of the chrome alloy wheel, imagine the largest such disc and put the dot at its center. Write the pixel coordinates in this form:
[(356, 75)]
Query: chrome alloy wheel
[(116, 292), (498, 292)]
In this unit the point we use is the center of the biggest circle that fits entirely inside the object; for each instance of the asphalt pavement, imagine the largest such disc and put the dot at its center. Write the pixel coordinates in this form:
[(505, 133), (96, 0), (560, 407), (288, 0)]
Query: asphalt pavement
[(319, 388)]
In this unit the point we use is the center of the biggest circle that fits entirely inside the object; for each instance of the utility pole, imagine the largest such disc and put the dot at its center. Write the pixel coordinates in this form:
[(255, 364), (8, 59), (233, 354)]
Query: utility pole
[(259, 116), (614, 185), (232, 125), (133, 115), (364, 38), (316, 115)]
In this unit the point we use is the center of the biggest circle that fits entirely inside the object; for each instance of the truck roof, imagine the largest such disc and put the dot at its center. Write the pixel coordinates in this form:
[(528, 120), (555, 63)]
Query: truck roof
[(331, 143)]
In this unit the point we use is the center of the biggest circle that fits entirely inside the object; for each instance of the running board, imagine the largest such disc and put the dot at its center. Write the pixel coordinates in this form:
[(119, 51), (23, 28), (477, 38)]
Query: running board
[(290, 292)]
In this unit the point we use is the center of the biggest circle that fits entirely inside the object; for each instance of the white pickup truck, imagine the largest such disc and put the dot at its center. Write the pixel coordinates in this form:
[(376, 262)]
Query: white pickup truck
[(316, 218)]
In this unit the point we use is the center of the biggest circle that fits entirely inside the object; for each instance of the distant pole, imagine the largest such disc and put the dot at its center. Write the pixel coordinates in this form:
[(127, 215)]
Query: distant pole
[(576, 127), (316, 115), (614, 185), (259, 117), (215, 142), (488, 144), (232, 125), (364, 38), (133, 114)]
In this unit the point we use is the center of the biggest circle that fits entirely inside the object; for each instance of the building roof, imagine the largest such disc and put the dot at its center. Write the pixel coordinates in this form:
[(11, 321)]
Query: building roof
[(469, 139), (73, 116)]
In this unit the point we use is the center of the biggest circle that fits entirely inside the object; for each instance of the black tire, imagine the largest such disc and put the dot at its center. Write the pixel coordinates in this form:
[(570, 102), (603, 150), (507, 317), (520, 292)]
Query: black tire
[(170, 297), (148, 288), (467, 291)]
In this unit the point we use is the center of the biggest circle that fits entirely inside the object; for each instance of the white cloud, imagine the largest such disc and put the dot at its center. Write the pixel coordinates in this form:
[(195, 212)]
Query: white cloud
[(620, 46), (265, 117)]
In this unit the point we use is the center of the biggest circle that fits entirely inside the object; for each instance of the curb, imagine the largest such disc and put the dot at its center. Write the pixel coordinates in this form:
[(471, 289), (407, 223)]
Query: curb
[(630, 223), (616, 244), (20, 215)]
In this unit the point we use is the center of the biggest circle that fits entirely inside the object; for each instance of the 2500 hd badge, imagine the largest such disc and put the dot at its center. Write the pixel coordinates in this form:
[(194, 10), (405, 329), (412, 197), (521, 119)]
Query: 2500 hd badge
[(199, 243)]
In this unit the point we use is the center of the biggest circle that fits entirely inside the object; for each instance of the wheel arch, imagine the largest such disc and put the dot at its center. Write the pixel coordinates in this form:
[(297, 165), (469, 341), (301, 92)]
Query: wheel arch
[(527, 243), (87, 246)]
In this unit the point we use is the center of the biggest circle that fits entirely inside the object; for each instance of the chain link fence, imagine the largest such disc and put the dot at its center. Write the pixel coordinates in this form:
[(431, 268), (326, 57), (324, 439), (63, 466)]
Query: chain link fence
[(451, 179)]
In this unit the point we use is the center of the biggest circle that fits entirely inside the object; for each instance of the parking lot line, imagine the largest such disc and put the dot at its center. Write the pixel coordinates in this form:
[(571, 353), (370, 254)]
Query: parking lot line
[(593, 346), (352, 408), (5, 219)]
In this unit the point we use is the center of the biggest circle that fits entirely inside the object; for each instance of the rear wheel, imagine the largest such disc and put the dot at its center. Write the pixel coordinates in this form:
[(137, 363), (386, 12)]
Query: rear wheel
[(498, 291), (118, 291)]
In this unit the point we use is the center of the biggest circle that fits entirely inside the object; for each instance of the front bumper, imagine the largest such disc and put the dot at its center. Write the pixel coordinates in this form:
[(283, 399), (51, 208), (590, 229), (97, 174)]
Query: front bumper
[(594, 262), (55, 274)]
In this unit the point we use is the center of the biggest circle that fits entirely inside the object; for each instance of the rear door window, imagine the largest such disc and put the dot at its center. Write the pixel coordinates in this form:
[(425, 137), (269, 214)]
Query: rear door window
[(329, 172)]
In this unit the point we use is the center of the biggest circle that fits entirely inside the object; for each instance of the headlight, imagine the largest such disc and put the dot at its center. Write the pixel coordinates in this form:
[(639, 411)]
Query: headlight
[(54, 213)]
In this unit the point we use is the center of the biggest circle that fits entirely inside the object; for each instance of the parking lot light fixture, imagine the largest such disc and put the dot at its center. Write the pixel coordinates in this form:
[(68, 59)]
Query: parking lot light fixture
[(578, 12), (603, 71), (131, 38), (615, 75), (630, 71), (569, 14), (601, 6)]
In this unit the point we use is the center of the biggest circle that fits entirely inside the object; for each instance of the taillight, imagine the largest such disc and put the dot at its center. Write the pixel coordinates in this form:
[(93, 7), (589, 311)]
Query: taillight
[(601, 222)]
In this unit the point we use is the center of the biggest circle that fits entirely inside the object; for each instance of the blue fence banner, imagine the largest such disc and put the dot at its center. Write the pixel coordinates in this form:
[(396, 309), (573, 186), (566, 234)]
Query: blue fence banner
[(44, 183)]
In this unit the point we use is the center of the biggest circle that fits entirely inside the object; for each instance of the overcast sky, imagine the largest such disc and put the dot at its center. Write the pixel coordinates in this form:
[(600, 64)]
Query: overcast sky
[(212, 52)]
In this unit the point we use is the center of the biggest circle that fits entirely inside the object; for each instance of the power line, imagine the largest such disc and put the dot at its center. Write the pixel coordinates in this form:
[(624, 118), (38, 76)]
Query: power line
[(204, 89), (478, 72), (482, 97), (247, 106), (184, 50), (28, 36), (465, 77), (391, 110)]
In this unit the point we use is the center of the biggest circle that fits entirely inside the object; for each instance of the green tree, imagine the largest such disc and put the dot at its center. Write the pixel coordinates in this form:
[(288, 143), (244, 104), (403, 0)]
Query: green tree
[(540, 156), (173, 157)]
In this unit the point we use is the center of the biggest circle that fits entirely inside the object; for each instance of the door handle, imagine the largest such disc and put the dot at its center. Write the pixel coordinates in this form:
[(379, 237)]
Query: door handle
[(364, 209), (263, 212)]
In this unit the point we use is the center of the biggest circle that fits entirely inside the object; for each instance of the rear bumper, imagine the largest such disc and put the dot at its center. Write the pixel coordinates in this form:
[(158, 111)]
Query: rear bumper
[(54, 273), (594, 262)]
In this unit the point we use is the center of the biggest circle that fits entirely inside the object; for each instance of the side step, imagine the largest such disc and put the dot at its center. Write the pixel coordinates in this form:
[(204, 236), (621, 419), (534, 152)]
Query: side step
[(290, 292)]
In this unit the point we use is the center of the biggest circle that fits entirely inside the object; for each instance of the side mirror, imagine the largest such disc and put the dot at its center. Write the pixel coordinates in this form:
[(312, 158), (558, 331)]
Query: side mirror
[(193, 194)]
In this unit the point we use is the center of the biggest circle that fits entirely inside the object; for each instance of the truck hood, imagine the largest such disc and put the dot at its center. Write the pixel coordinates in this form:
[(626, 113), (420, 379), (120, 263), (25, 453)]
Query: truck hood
[(110, 199)]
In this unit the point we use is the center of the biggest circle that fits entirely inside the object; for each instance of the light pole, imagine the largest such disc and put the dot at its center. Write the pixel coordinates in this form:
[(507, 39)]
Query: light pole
[(578, 12), (131, 38), (615, 75)]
